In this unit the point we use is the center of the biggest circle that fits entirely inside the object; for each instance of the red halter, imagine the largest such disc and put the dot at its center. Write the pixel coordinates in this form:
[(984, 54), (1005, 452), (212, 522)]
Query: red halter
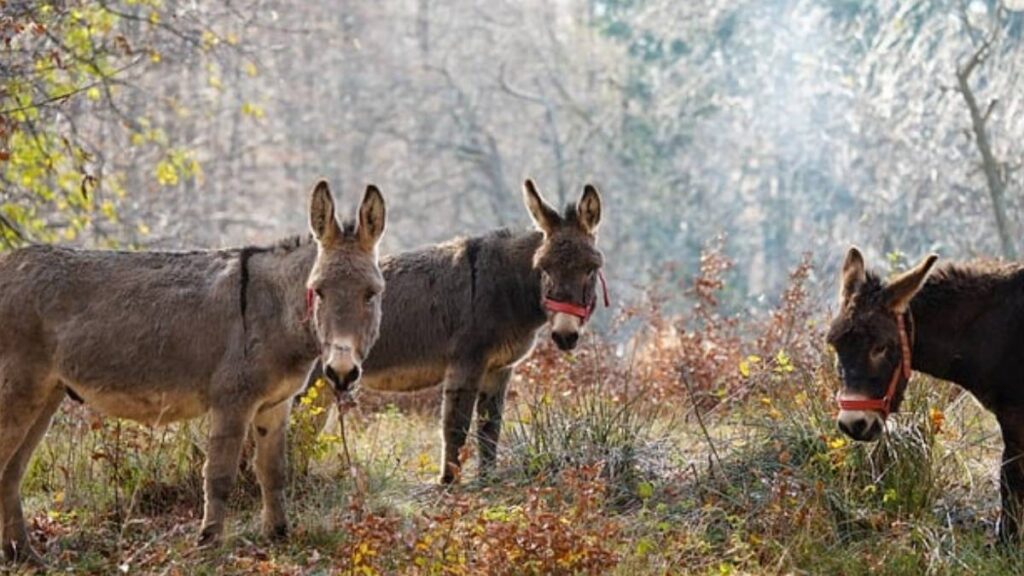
[(581, 312), (884, 404), (310, 300)]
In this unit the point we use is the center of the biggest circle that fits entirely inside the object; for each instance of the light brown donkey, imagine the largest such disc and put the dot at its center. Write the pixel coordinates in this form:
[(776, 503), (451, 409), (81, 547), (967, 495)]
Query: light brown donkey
[(466, 311), (165, 336)]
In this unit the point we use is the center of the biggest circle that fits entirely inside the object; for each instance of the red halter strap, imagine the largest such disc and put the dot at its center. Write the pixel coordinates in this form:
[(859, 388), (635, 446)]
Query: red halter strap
[(884, 404), (581, 312), (310, 300)]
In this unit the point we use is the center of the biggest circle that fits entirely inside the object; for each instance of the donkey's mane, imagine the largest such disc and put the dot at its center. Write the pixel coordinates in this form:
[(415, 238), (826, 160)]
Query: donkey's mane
[(348, 230), (284, 245), (287, 244), (953, 280), (973, 279), (569, 213)]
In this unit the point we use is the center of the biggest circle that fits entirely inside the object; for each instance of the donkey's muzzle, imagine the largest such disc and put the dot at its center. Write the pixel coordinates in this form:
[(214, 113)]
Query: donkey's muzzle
[(565, 330), (342, 383), (864, 426)]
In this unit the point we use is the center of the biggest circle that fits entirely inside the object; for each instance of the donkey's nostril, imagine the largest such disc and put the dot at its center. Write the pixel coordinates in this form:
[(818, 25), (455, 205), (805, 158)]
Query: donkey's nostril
[(853, 428), (857, 429), (845, 429), (331, 376), (565, 340), (352, 376)]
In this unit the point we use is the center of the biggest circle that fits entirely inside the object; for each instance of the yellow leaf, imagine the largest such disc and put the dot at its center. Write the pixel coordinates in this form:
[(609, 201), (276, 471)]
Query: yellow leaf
[(254, 110), (209, 39)]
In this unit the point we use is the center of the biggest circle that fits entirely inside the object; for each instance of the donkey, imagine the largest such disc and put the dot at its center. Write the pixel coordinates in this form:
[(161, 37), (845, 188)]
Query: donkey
[(159, 337), (964, 324), (467, 311)]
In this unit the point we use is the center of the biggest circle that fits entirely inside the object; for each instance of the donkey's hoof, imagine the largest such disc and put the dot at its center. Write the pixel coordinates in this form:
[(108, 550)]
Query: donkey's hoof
[(276, 532), (451, 475), (23, 554), (209, 537)]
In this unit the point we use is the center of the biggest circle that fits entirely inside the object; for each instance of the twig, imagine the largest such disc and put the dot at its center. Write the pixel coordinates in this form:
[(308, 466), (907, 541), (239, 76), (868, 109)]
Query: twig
[(344, 440), (700, 420), (71, 93)]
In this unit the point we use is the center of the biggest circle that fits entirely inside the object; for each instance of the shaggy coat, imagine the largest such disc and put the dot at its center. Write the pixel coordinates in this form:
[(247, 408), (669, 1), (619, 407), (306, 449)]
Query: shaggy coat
[(160, 337), (467, 311), (966, 325)]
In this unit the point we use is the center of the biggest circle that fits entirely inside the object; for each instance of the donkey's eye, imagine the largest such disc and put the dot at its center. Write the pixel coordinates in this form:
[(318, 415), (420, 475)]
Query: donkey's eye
[(369, 295), (879, 350), (319, 293)]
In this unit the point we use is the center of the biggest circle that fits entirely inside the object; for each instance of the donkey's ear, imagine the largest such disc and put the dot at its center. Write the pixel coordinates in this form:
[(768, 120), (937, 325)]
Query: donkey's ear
[(901, 289), (588, 210), (853, 275), (373, 216), (321, 215), (544, 216)]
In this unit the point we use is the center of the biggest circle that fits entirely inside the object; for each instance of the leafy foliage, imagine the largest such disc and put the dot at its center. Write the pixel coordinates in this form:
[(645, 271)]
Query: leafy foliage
[(74, 129)]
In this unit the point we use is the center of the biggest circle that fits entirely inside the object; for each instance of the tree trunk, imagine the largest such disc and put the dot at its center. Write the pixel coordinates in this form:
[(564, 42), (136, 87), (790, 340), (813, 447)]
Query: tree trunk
[(991, 166)]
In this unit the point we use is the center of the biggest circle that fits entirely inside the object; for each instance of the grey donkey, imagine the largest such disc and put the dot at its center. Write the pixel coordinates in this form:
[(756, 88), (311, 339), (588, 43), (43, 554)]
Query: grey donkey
[(159, 337), (467, 311)]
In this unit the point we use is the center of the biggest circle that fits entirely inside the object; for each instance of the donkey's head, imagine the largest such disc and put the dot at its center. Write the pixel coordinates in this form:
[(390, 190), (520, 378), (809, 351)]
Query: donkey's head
[(873, 339), (568, 260), (345, 284)]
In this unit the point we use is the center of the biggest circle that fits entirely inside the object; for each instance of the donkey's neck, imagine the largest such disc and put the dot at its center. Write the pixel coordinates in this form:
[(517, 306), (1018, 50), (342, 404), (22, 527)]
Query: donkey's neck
[(522, 250), (956, 317), (274, 280)]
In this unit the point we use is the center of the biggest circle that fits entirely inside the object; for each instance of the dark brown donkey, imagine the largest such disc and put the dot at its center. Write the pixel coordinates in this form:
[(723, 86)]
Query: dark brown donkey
[(964, 324), (165, 336), (466, 311)]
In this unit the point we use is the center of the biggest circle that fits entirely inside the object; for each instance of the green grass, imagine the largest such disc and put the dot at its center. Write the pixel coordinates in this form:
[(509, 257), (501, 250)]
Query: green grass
[(588, 483)]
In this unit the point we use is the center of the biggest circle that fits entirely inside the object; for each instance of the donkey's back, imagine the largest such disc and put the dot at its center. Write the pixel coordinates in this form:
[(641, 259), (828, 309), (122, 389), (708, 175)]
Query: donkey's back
[(463, 301), (108, 324)]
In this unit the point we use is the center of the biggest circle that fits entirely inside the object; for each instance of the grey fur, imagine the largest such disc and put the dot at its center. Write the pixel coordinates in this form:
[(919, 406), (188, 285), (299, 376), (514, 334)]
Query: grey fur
[(465, 312), (159, 337)]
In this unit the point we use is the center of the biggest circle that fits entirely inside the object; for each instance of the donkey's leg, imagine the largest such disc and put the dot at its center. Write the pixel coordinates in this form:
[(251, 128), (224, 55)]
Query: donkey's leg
[(227, 433), (272, 466), (1011, 485), (460, 388), (489, 406), (21, 429)]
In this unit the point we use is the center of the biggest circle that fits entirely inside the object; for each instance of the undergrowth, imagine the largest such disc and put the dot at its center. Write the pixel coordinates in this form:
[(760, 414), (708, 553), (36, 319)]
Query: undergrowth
[(692, 444)]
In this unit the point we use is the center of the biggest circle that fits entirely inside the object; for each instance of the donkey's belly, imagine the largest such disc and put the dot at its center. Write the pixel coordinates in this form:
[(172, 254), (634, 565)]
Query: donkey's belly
[(160, 407), (510, 352), (403, 378)]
